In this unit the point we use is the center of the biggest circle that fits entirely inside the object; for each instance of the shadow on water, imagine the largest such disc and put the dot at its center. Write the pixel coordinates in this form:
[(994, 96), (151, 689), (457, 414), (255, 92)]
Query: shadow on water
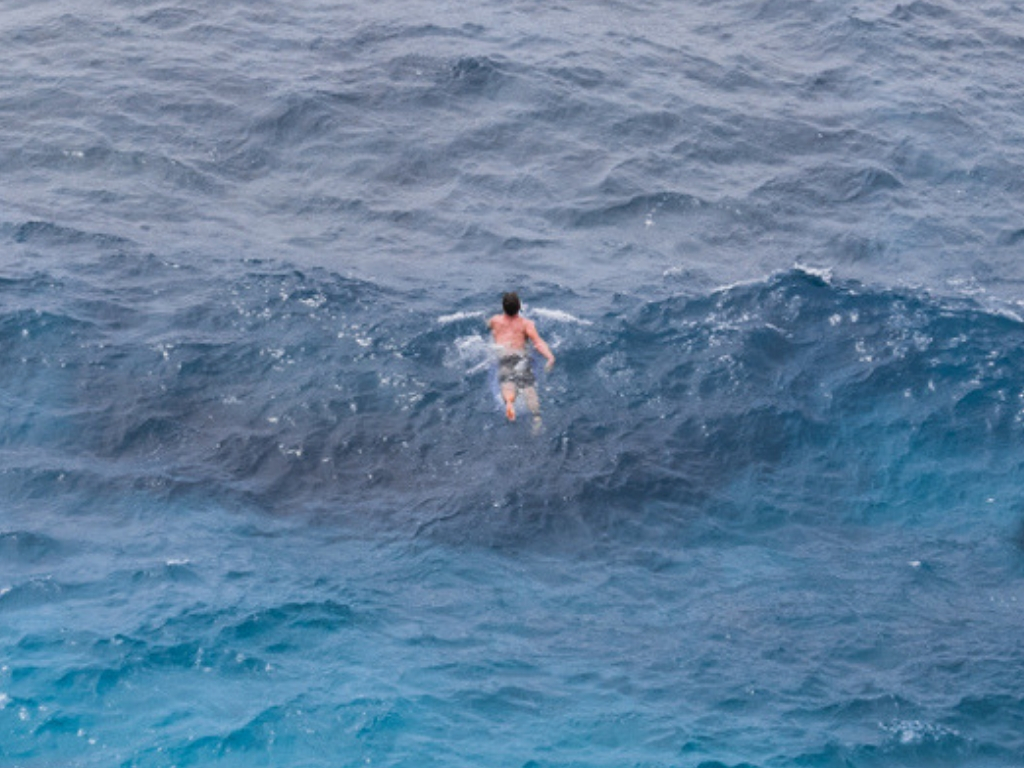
[(666, 421)]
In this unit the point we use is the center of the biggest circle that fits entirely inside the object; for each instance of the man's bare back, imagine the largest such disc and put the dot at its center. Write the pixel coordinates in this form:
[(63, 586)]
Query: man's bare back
[(511, 333)]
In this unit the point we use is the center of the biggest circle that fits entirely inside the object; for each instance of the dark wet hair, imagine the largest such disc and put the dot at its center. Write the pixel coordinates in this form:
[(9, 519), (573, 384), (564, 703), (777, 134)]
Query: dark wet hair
[(510, 302)]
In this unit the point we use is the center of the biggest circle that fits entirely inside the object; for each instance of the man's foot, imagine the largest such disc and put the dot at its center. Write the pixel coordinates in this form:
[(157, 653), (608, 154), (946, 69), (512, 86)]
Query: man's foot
[(538, 425), (510, 411)]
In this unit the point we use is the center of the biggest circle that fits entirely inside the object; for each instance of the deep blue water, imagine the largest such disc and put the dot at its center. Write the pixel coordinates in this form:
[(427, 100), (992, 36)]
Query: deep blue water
[(259, 506)]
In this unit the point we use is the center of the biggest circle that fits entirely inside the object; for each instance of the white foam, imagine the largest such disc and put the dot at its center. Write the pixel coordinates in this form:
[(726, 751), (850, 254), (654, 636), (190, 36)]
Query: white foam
[(822, 273), (475, 353), (916, 731), (1007, 313), (458, 317), (559, 316)]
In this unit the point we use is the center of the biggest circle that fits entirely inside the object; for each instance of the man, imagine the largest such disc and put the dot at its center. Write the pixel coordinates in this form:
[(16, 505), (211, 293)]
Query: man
[(511, 332)]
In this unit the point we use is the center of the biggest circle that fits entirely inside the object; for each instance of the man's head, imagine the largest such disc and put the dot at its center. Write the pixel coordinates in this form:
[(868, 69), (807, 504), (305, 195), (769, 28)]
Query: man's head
[(510, 303)]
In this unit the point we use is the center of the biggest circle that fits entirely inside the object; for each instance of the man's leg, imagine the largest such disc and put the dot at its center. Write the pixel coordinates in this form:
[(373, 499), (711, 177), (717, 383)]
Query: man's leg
[(532, 401), (508, 393)]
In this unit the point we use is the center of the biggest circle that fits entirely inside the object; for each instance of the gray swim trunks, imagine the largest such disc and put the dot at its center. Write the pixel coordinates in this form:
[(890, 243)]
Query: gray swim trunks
[(516, 369)]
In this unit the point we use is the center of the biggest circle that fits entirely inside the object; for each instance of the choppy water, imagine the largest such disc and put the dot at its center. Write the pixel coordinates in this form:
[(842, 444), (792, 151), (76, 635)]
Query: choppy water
[(259, 507)]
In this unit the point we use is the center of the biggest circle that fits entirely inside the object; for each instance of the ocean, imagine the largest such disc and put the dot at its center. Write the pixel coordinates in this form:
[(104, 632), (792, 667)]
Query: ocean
[(259, 503)]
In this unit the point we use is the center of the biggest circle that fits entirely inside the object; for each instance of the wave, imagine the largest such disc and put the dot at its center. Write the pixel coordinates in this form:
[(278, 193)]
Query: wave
[(558, 316), (54, 235), (291, 390), (28, 547), (458, 317)]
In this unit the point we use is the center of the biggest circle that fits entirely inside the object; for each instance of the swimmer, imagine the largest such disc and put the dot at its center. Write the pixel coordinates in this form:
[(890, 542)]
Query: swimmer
[(511, 332)]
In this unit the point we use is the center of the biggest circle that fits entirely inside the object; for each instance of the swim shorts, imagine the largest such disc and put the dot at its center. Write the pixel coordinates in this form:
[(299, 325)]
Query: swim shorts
[(516, 369)]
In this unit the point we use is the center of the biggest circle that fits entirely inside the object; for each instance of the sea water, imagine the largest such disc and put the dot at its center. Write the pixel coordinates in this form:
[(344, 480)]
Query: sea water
[(259, 507)]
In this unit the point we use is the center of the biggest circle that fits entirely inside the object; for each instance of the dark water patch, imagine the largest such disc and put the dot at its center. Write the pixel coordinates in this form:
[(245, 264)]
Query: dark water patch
[(169, 572), (295, 388), (29, 547), (168, 18), (29, 334), (109, 168), (635, 209), (1013, 237), (372, 37), (93, 682), (919, 9), (275, 729), (478, 76), (29, 285), (580, 76), (829, 185), (298, 120), (722, 139), (651, 128), (45, 233), (1001, 715), (850, 248), (272, 626), (35, 592)]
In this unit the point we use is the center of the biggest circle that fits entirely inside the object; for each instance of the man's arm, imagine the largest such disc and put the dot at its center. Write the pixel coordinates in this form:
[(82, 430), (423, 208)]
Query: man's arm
[(538, 342)]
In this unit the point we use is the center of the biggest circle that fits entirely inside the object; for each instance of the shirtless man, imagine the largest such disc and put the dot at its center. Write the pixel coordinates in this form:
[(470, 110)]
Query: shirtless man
[(514, 373)]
